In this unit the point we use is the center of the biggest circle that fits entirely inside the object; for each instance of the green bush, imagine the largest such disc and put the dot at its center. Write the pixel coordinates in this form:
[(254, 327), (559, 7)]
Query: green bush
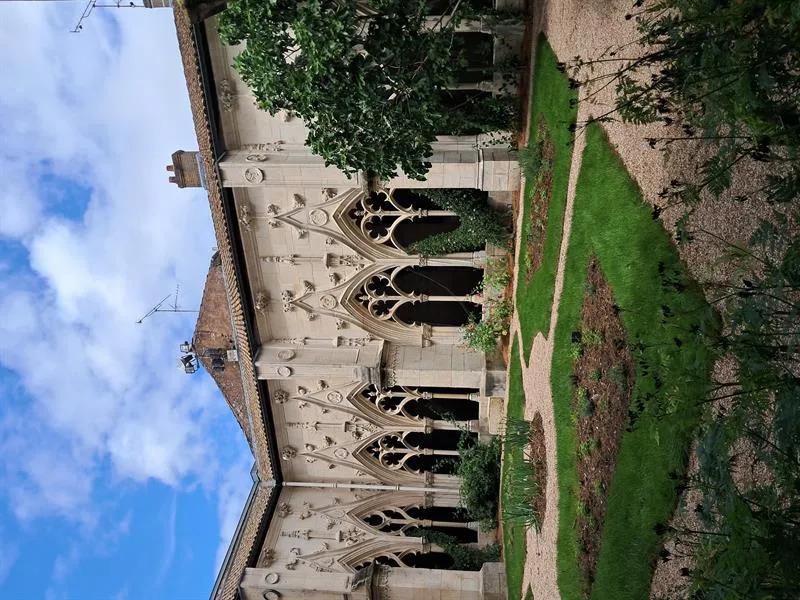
[(530, 160), (479, 471), (496, 275), (480, 224), (465, 558), (522, 488), (482, 335)]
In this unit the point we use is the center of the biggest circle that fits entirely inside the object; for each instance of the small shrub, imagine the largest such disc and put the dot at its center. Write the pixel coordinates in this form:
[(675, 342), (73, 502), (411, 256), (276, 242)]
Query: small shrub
[(575, 350), (479, 470), (521, 488), (517, 432), (596, 375), (479, 335), (587, 447), (583, 404), (496, 275), (482, 335), (617, 376), (592, 337), (465, 558), (530, 160)]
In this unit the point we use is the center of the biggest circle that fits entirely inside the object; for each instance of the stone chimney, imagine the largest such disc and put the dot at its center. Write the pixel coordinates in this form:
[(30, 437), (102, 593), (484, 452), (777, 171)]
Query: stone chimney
[(186, 169)]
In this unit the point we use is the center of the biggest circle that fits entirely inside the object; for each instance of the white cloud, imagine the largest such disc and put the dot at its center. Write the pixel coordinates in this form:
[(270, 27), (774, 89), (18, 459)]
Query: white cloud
[(65, 563), (233, 492), (169, 544), (8, 556), (104, 109)]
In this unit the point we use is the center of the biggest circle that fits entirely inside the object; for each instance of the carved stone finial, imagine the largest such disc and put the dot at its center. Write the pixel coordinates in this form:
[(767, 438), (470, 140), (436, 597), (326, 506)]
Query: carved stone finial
[(261, 303), (288, 453)]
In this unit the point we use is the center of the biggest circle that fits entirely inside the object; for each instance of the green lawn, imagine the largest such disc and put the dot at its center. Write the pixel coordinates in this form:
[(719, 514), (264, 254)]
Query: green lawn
[(611, 222), (513, 533), (551, 99)]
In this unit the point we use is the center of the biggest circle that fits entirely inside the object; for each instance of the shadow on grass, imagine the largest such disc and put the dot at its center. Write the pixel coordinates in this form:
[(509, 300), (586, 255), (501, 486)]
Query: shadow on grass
[(611, 221)]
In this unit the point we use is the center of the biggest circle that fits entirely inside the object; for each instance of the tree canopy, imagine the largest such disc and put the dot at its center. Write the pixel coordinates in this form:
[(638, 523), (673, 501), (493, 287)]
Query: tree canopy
[(366, 78)]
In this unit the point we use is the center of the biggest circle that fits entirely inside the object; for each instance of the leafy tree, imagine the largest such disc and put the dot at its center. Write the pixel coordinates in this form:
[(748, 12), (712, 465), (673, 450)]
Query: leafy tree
[(728, 72), (366, 78)]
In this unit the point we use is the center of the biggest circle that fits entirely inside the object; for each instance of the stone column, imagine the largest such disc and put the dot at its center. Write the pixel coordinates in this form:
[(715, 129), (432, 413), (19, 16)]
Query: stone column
[(376, 583), (488, 169), (345, 363), (435, 22), (438, 365), (391, 583), (268, 584), (274, 167)]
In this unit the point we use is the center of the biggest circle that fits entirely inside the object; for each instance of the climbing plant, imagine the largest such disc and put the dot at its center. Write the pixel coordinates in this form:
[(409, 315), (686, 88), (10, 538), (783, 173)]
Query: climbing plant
[(479, 223)]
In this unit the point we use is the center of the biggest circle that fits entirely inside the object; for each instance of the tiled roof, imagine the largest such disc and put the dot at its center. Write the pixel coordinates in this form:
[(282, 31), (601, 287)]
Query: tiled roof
[(236, 299), (243, 547), (214, 330)]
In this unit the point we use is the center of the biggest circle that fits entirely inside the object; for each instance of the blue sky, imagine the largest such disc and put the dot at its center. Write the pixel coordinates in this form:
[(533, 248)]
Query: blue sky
[(120, 476)]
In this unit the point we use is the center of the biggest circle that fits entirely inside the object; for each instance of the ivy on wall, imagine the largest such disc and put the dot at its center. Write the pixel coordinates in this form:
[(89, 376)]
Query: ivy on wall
[(480, 224)]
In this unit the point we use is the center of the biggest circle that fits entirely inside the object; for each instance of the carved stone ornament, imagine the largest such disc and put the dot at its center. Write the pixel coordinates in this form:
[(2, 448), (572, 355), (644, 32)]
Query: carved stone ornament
[(261, 302), (298, 201), (322, 384), (253, 175), (271, 595), (317, 217), (287, 298), (225, 95), (341, 453), (289, 260), (286, 355), (310, 447), (298, 341), (301, 391), (335, 397), (285, 371), (340, 324), (288, 453), (284, 509), (267, 557), (280, 396), (257, 157), (272, 578), (334, 278), (328, 301), (311, 316), (308, 287), (329, 241), (328, 193)]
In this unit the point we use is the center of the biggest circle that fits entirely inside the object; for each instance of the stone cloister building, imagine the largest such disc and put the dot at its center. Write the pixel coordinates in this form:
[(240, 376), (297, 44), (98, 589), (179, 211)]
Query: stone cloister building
[(337, 349)]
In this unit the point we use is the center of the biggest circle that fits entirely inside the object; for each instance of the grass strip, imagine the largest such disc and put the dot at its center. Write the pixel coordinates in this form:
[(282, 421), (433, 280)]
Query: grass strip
[(613, 223), (551, 100), (513, 533)]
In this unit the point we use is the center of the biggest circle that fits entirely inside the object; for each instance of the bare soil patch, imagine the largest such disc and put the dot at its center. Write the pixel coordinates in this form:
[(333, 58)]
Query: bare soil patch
[(539, 202), (603, 374), (538, 459)]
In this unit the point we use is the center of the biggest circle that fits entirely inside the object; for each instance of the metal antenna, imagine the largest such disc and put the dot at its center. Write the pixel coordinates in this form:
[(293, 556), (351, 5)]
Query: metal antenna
[(92, 4), (171, 308)]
